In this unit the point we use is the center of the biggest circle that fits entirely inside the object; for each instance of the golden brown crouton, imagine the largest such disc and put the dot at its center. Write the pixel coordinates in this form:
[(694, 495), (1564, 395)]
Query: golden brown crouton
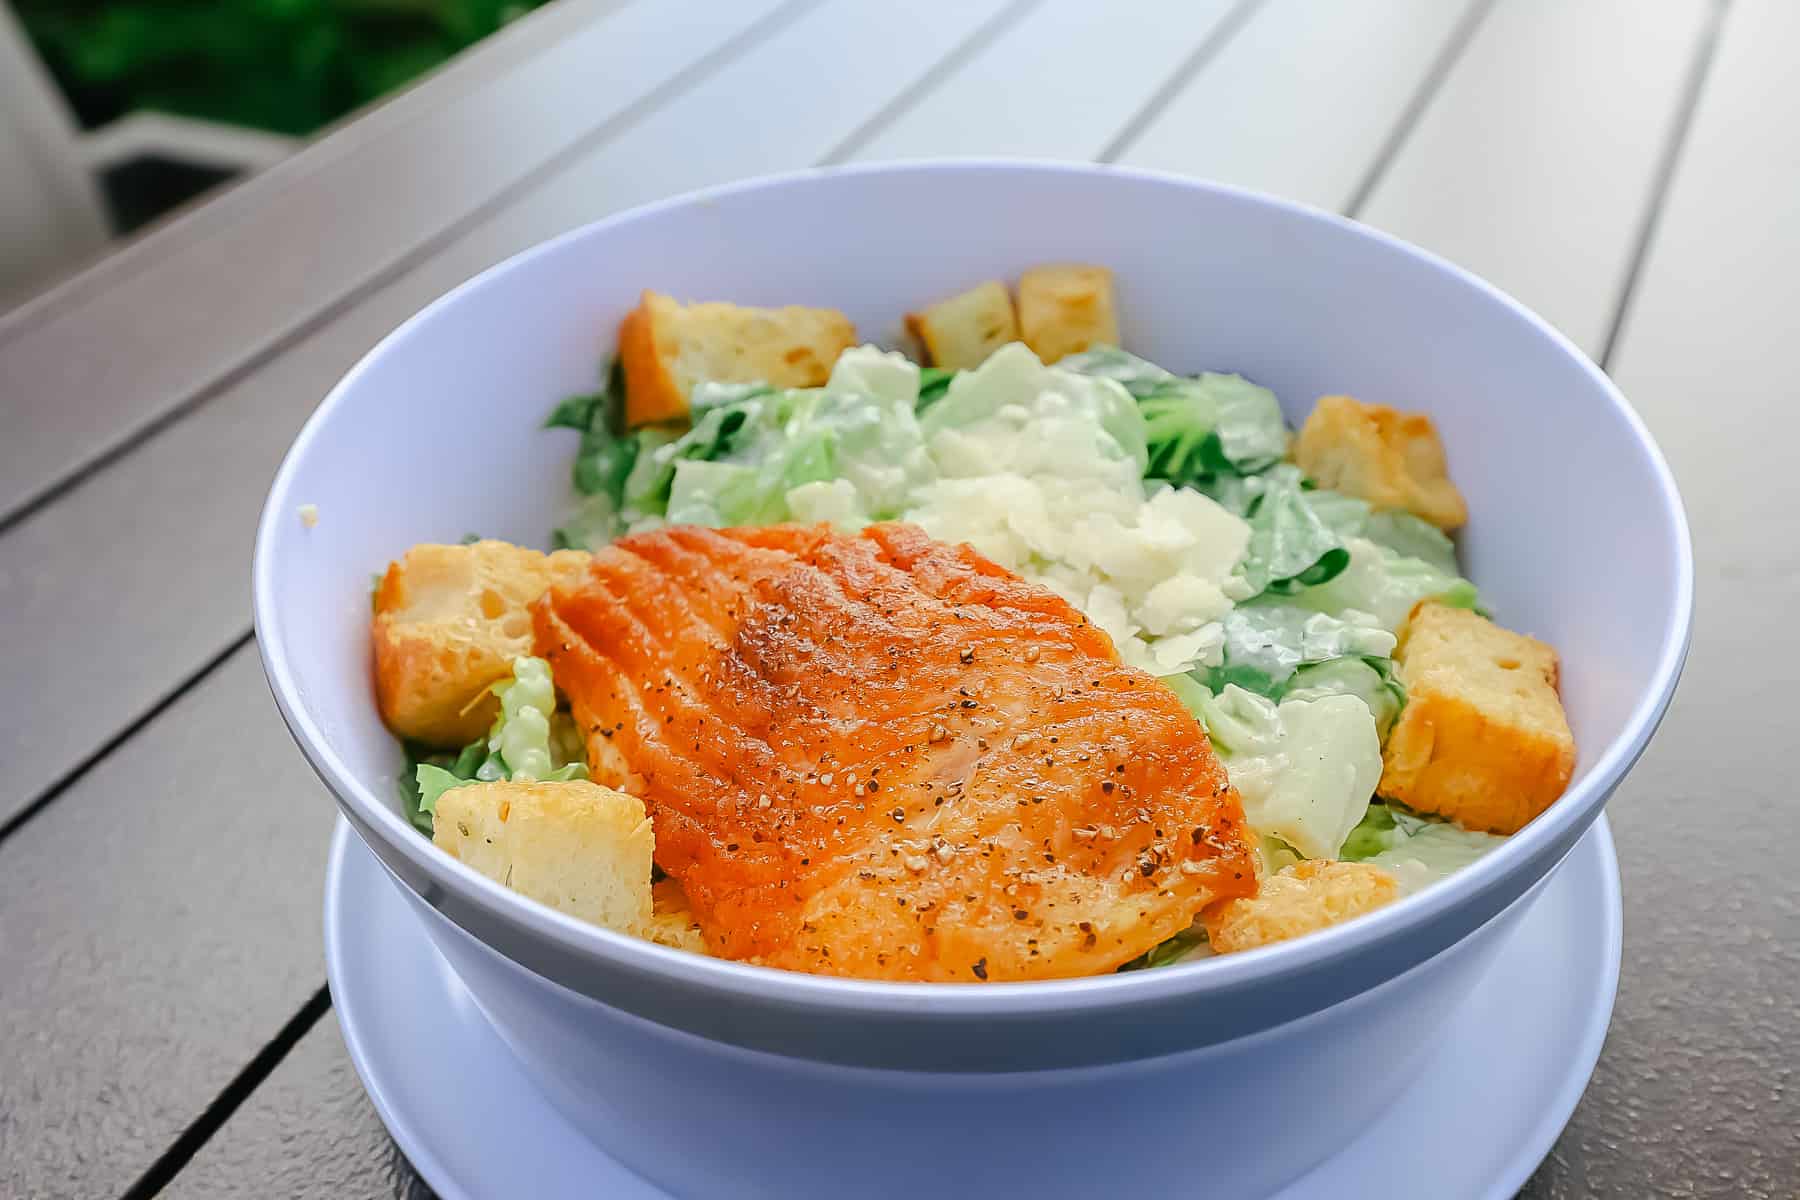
[(449, 620), (666, 348), (1483, 739), (962, 331), (1067, 308), (1305, 897), (1379, 454), (575, 846)]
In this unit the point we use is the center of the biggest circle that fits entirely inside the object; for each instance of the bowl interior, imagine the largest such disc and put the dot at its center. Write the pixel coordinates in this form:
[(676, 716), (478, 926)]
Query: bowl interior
[(1576, 534)]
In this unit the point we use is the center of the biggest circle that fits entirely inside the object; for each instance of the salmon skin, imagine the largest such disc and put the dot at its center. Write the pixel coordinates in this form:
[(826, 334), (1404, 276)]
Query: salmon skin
[(885, 757)]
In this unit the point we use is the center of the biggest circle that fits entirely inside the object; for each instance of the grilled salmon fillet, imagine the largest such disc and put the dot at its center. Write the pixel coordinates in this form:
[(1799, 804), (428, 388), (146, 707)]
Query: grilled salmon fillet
[(885, 757)]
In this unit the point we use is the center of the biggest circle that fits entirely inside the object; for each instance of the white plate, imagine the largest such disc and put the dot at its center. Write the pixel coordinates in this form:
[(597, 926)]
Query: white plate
[(1485, 1111)]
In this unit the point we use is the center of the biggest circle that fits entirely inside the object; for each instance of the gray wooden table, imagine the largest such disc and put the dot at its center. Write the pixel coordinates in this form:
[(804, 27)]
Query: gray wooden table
[(1632, 170)]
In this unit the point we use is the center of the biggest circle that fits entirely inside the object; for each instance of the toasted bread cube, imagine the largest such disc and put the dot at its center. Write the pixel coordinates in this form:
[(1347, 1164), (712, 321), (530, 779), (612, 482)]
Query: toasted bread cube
[(666, 348), (1483, 739), (673, 923), (1389, 458), (1067, 308), (575, 846), (449, 620), (1300, 899), (962, 331)]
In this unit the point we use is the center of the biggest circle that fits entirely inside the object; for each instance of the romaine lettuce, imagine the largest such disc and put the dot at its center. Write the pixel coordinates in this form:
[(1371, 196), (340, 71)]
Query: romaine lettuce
[(1386, 585), (1290, 547), (1189, 943), (602, 464), (1401, 532), (1416, 850), (529, 740), (1240, 493), (1371, 680), (751, 447), (933, 383), (1383, 827), (1196, 428), (717, 429), (596, 522), (1305, 768), (1267, 642), (1013, 385)]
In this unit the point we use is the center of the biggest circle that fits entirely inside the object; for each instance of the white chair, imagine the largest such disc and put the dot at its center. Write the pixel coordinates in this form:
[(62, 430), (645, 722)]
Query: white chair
[(51, 214), (50, 211)]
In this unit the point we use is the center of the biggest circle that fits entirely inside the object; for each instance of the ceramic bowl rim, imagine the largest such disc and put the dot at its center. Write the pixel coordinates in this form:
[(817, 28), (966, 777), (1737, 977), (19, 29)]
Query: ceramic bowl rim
[(1265, 967)]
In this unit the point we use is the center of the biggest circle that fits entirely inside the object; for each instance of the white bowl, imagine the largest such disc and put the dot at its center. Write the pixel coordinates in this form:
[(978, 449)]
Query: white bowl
[(1246, 1069)]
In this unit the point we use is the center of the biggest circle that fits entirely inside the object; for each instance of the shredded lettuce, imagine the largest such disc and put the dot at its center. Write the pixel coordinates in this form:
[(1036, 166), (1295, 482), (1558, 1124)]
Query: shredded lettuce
[(1305, 768), (933, 383), (1371, 680), (723, 493), (1382, 828), (434, 781), (1385, 585), (1189, 943), (1104, 417), (1416, 849), (1266, 643), (1290, 547), (1138, 376), (749, 448), (596, 522), (1240, 493), (1196, 428), (529, 740), (1413, 537), (604, 464), (605, 456), (718, 427), (1401, 532), (424, 765)]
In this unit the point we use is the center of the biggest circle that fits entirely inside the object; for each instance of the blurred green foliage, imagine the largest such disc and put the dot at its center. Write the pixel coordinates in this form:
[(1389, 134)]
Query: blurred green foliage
[(284, 65)]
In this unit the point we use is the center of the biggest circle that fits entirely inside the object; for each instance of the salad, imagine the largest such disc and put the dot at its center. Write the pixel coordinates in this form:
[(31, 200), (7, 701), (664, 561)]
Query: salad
[(1300, 595)]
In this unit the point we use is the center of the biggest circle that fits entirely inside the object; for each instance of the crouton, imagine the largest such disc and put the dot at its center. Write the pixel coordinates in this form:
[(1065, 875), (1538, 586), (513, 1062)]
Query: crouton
[(673, 923), (1302, 898), (1392, 459), (575, 846), (449, 620), (1483, 739), (962, 331), (1065, 309), (666, 348)]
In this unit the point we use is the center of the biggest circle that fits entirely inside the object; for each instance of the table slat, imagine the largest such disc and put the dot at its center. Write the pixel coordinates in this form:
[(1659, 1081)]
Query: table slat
[(159, 919), (1058, 86), (838, 49), (158, 926), (174, 520), (90, 379), (1696, 1090), (432, 92), (1542, 193), (1732, 999), (1301, 100), (308, 1133)]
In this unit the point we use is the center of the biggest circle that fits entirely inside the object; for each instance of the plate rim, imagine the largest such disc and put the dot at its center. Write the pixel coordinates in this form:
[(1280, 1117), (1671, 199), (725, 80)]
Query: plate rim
[(1534, 1145)]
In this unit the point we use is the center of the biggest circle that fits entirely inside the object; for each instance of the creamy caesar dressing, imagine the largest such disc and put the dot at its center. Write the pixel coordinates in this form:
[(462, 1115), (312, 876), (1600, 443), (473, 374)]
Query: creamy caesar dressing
[(1042, 470), (1156, 504)]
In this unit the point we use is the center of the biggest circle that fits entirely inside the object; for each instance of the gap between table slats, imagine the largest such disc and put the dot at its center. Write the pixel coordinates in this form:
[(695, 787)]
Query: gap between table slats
[(894, 125), (154, 902), (159, 343)]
